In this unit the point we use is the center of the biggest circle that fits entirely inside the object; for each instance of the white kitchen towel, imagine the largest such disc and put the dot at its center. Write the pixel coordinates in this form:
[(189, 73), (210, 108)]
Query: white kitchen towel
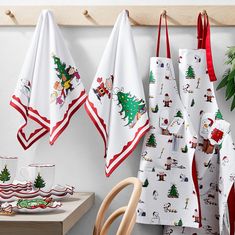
[(116, 102), (49, 89)]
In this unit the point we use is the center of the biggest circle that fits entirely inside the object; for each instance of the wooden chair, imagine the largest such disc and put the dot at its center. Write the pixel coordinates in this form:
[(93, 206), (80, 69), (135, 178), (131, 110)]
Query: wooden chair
[(129, 212)]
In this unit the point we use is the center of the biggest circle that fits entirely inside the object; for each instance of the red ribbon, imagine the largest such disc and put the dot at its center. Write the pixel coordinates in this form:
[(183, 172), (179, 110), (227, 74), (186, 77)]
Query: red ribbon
[(204, 42), (168, 53)]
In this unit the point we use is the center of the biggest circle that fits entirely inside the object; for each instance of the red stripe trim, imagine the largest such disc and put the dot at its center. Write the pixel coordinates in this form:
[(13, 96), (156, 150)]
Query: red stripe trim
[(88, 103), (102, 123), (69, 107), (68, 121), (137, 139), (22, 112), (31, 142), (231, 209), (37, 118), (196, 186)]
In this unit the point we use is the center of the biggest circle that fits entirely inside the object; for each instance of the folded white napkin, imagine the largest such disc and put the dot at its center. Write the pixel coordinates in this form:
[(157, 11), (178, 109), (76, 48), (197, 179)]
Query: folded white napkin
[(116, 102), (49, 90)]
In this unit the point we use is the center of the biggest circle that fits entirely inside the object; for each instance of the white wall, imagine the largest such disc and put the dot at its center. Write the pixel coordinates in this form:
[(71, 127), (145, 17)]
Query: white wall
[(78, 153)]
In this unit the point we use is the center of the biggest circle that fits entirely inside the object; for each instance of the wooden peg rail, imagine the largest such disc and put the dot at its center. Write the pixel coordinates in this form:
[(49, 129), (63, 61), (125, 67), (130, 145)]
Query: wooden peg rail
[(106, 15)]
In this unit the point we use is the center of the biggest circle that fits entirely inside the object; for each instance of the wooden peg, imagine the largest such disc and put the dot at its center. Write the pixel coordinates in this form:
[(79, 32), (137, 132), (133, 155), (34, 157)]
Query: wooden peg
[(9, 13), (204, 12), (164, 13), (85, 13)]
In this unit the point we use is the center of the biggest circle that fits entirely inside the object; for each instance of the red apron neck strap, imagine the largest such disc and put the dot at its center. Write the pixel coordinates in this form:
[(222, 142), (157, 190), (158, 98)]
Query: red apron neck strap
[(204, 42), (168, 53)]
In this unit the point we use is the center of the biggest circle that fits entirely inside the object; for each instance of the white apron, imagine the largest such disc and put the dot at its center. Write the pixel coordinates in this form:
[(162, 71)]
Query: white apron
[(167, 170), (215, 155)]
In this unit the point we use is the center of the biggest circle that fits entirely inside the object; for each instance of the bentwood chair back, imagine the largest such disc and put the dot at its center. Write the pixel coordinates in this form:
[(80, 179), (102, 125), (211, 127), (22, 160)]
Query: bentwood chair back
[(129, 212)]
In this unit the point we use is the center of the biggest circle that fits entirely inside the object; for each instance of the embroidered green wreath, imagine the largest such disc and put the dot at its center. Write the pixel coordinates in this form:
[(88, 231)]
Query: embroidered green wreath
[(228, 79)]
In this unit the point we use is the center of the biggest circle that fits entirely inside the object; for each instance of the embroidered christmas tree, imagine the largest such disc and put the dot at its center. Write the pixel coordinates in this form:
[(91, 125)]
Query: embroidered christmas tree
[(61, 70), (192, 103), (173, 192), (5, 175), (155, 110), (179, 114), (190, 73), (218, 115), (151, 142), (151, 77), (145, 184), (132, 107), (39, 182)]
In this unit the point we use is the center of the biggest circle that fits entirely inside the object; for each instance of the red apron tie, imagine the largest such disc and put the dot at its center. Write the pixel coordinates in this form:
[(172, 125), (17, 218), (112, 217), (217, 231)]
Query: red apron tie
[(204, 42), (168, 53)]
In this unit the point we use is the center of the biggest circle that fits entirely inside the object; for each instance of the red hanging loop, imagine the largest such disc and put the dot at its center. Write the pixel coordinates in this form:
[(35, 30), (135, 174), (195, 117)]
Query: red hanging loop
[(168, 53), (204, 42)]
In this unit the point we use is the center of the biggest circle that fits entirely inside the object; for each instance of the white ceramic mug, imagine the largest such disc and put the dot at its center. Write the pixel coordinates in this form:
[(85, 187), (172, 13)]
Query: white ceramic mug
[(41, 175), (8, 167)]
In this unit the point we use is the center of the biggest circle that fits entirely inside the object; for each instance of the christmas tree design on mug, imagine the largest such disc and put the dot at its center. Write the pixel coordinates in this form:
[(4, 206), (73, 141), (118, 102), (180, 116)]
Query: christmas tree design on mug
[(5, 175), (39, 182)]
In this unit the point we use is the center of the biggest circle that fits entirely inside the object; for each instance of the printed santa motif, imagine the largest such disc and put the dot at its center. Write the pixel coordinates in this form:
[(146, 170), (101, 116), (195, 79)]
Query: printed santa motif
[(167, 100), (168, 163), (209, 95), (104, 88), (161, 176)]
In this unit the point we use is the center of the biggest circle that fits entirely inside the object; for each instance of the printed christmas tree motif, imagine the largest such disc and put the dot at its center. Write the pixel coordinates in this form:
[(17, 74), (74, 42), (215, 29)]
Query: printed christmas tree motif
[(155, 110), (184, 149), (218, 115), (179, 114), (151, 77), (192, 103), (173, 192), (180, 223), (39, 182), (151, 142), (61, 69), (190, 73), (64, 84), (132, 107), (5, 175), (145, 184)]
